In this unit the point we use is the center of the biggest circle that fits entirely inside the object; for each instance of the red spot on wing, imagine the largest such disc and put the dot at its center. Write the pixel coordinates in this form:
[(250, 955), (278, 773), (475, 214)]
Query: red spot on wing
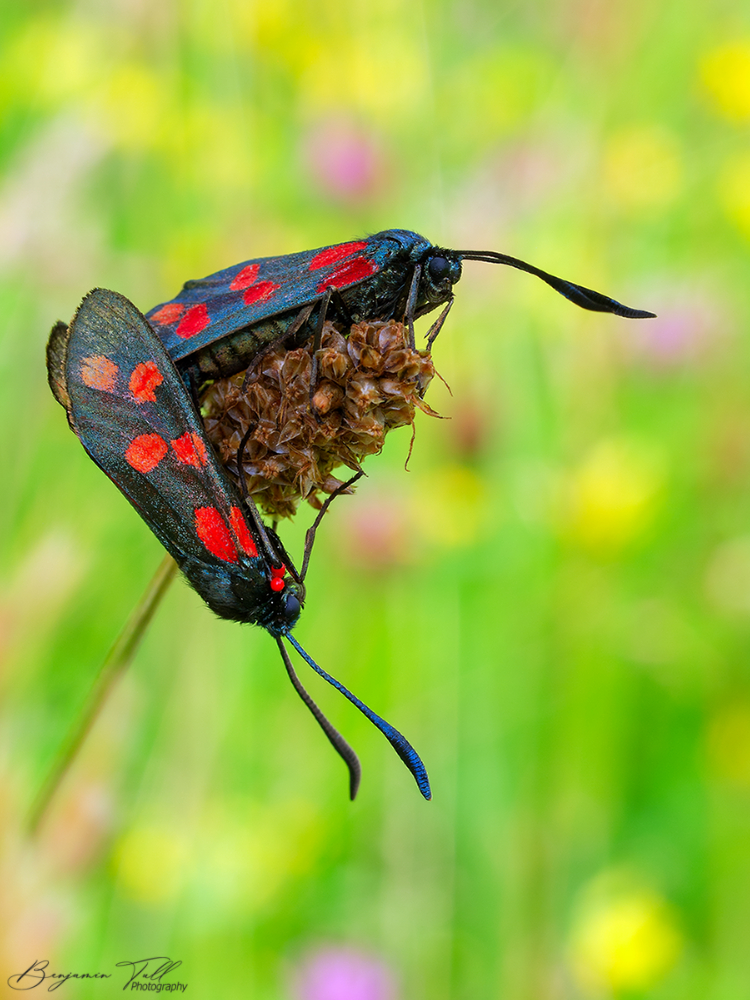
[(145, 452), (190, 449), (145, 378), (260, 292), (167, 314), (99, 372), (212, 530), (194, 320), (246, 276), (348, 273), (241, 532), (331, 255)]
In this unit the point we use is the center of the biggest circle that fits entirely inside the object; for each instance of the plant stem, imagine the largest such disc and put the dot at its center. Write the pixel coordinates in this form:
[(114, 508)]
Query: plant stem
[(114, 665)]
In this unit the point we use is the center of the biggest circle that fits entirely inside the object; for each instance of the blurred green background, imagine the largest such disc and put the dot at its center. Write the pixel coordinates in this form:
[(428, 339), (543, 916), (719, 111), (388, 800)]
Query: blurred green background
[(553, 604)]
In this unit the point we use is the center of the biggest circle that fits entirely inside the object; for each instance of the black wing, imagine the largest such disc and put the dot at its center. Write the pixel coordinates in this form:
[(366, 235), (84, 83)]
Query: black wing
[(243, 295), (135, 418)]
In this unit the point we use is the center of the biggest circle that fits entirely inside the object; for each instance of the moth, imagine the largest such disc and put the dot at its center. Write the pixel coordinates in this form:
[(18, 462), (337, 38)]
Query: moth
[(135, 416), (216, 326)]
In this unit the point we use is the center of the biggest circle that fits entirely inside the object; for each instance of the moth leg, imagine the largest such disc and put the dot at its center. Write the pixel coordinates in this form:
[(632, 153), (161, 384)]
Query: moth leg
[(314, 368), (286, 559), (258, 527), (275, 545), (342, 309), (437, 326), (297, 323), (196, 385), (310, 535), (240, 460), (411, 302)]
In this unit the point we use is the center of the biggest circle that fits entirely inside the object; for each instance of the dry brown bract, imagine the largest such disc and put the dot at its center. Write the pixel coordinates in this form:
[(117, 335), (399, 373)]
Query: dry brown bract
[(369, 382)]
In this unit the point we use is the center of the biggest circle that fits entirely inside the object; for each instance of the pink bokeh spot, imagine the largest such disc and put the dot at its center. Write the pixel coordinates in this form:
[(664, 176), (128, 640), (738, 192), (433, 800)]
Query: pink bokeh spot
[(344, 974), (345, 162), (674, 337), (379, 535), (688, 327)]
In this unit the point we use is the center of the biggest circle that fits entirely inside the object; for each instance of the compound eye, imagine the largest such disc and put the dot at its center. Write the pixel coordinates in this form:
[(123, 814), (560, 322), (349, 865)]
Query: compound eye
[(439, 268), (292, 607)]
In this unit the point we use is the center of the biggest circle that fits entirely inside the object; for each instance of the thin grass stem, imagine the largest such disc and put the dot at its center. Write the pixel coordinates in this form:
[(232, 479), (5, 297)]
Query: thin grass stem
[(114, 665)]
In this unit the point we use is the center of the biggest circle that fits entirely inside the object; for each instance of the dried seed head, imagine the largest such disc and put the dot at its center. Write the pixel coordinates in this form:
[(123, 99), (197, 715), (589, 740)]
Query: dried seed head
[(327, 397), (368, 383)]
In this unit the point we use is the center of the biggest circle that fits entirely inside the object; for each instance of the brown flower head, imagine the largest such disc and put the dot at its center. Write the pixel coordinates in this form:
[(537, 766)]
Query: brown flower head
[(368, 383)]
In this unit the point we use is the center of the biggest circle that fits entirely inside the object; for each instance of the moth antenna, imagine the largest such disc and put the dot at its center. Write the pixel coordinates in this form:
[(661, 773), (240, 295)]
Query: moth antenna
[(584, 297), (310, 534), (400, 744), (335, 738)]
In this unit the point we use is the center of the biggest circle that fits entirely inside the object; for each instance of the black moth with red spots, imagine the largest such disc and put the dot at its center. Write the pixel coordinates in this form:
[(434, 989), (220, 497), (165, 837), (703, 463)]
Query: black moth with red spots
[(135, 417), (216, 325)]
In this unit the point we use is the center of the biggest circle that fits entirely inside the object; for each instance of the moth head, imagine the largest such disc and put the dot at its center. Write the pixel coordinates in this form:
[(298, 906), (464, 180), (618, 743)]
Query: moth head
[(440, 272), (292, 599)]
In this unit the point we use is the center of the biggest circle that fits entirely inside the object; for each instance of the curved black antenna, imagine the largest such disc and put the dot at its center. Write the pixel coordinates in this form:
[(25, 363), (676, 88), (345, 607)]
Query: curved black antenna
[(335, 738), (400, 744), (584, 297)]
